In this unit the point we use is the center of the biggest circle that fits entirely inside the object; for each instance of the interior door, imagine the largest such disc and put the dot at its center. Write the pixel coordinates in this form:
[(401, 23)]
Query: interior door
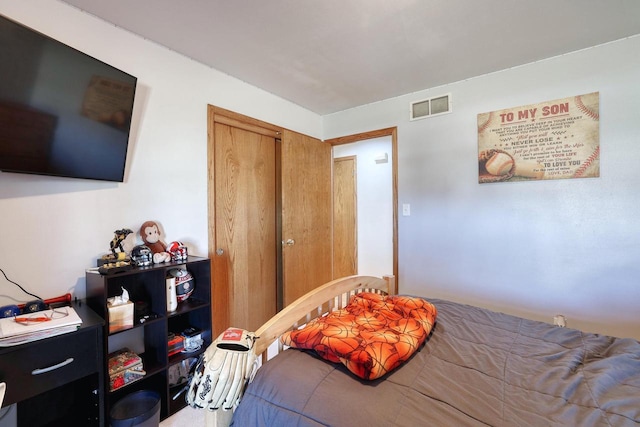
[(244, 259), (306, 214), (345, 216)]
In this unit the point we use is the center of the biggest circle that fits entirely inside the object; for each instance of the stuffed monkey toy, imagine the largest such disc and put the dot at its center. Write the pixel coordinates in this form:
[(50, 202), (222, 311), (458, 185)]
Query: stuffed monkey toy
[(150, 233)]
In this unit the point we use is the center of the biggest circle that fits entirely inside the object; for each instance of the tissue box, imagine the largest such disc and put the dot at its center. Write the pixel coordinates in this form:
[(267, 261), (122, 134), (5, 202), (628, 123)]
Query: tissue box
[(125, 367), (120, 316)]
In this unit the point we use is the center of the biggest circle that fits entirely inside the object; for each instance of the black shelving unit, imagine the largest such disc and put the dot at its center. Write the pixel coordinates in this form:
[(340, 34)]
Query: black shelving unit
[(148, 284)]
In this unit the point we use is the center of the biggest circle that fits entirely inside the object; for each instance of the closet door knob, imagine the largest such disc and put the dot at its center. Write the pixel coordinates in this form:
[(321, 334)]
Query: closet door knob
[(219, 251), (290, 242)]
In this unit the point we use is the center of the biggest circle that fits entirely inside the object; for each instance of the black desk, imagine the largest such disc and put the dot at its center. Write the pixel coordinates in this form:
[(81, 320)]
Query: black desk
[(57, 381)]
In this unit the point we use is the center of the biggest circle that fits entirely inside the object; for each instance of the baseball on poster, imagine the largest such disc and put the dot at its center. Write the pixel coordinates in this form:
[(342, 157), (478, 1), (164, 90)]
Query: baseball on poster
[(552, 140)]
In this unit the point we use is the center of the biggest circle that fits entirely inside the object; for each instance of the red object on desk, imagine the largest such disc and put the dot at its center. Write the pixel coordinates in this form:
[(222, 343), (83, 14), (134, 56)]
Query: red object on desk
[(62, 299), (31, 319)]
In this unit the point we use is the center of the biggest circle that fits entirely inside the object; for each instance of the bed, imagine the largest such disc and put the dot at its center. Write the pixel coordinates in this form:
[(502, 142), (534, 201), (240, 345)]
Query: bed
[(476, 368)]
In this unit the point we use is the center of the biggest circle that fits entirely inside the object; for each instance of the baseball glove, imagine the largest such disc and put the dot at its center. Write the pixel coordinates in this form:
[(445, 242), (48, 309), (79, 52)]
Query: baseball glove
[(495, 173), (223, 371)]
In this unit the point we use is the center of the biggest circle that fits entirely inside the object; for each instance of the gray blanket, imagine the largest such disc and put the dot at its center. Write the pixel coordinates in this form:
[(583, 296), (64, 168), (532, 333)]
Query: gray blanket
[(478, 368)]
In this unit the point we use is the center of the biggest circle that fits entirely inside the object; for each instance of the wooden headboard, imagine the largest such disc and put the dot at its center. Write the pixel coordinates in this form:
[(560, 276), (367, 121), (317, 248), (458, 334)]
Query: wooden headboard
[(331, 296)]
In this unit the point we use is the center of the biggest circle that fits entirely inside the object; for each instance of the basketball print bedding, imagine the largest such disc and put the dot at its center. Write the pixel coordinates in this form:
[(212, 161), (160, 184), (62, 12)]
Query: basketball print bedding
[(371, 336)]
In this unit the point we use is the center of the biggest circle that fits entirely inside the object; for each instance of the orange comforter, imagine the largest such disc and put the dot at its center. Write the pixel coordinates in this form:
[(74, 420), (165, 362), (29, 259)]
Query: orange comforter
[(371, 336)]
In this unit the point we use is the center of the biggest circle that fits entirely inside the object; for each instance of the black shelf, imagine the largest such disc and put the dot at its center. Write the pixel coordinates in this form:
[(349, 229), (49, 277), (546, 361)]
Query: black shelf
[(148, 284)]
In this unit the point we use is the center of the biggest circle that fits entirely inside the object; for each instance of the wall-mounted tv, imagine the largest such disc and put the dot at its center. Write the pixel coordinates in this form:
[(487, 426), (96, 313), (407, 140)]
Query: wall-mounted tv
[(62, 112)]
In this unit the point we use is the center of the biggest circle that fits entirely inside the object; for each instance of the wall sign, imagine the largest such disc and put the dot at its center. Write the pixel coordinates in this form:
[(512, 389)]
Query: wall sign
[(552, 140)]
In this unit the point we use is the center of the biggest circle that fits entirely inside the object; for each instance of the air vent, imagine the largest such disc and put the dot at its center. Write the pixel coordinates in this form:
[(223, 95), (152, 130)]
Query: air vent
[(430, 107)]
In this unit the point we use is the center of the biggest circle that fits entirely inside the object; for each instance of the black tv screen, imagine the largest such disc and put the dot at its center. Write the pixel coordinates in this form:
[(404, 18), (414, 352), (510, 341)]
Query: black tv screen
[(62, 112)]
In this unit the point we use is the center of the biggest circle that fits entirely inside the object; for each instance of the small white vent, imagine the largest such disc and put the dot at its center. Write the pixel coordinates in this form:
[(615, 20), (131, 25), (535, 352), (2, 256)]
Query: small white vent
[(430, 107)]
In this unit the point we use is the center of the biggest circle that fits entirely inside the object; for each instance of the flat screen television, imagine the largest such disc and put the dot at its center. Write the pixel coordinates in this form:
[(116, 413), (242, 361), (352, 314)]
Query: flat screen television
[(62, 112)]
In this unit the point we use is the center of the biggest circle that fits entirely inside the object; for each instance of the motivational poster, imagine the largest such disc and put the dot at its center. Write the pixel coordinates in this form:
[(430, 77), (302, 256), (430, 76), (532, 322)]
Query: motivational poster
[(557, 139)]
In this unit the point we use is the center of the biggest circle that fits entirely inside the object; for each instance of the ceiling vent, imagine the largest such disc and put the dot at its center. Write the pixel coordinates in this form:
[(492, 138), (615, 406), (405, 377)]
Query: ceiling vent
[(430, 107)]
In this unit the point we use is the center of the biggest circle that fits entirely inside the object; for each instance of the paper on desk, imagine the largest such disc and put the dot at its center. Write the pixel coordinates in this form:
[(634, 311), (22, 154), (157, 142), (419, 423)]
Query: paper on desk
[(14, 333)]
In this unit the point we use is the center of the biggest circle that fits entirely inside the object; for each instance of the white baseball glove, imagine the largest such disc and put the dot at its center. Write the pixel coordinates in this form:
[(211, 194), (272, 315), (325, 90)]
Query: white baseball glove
[(223, 371)]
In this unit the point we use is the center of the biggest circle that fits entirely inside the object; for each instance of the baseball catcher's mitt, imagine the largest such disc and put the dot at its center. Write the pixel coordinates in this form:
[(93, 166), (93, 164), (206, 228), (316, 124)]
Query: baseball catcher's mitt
[(495, 165), (223, 371)]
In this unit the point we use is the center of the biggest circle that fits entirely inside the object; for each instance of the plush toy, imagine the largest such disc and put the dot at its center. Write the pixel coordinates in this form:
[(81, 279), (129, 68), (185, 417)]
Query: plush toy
[(150, 233)]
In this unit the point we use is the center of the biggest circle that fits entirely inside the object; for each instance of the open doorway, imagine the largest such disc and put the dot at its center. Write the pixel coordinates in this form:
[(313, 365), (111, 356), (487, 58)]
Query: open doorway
[(374, 157)]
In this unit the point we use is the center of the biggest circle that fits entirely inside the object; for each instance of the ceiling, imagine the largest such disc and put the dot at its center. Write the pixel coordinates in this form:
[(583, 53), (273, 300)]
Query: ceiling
[(332, 55)]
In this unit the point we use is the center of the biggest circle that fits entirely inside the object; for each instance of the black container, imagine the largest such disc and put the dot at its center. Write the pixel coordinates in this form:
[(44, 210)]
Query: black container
[(140, 409)]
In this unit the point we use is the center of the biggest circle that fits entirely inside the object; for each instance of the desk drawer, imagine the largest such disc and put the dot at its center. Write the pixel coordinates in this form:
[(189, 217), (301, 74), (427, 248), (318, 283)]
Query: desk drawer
[(43, 365)]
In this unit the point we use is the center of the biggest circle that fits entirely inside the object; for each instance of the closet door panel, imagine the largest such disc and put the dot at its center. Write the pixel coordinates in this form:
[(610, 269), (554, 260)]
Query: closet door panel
[(245, 228), (306, 214)]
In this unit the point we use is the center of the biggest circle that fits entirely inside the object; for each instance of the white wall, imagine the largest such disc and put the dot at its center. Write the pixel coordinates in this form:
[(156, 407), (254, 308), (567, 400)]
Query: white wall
[(51, 229), (534, 249), (374, 204)]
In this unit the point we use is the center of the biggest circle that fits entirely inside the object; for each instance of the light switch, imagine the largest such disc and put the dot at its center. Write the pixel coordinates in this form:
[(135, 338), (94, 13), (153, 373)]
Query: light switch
[(406, 209)]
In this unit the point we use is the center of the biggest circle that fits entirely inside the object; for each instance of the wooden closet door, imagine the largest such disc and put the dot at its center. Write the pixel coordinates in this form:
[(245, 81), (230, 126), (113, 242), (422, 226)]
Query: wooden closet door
[(244, 257), (306, 214)]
